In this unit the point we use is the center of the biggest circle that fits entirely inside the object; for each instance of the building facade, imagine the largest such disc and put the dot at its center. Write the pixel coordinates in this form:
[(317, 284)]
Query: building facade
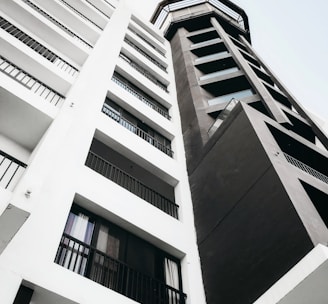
[(95, 200), (257, 163), (153, 163)]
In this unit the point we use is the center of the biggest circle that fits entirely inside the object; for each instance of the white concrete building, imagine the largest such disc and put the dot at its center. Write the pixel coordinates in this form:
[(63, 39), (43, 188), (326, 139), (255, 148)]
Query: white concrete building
[(95, 205)]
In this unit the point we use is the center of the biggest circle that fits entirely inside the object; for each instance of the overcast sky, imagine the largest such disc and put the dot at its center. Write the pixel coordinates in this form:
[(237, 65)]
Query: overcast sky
[(291, 37)]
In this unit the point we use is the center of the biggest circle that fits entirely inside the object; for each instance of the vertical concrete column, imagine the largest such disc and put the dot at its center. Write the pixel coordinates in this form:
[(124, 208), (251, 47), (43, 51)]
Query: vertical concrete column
[(299, 108), (266, 97)]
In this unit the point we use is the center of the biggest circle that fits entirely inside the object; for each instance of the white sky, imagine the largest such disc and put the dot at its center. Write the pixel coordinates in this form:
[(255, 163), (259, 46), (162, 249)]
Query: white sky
[(290, 36)]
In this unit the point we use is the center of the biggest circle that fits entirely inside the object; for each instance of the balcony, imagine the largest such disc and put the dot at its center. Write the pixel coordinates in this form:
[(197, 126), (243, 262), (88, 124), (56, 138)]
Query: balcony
[(57, 23), (118, 116), (31, 83), (144, 72), (132, 177), (37, 47), (301, 153), (145, 40), (11, 170), (142, 52), (129, 87), (117, 259), (297, 163), (80, 14)]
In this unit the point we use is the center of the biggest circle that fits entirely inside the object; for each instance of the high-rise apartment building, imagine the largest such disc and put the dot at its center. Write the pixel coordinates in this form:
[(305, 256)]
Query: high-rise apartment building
[(153, 163)]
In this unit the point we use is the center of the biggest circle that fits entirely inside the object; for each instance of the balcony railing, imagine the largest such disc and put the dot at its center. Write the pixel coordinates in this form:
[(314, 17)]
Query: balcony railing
[(37, 47), (118, 176), (142, 52), (10, 170), (161, 15), (99, 10), (114, 274), (295, 162), (147, 100), (57, 23), (79, 13), (36, 86), (144, 72), (136, 130), (145, 40)]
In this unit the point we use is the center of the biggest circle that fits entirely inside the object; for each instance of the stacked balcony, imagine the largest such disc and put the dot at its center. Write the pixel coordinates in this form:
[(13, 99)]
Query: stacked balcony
[(134, 125), (130, 176), (141, 95)]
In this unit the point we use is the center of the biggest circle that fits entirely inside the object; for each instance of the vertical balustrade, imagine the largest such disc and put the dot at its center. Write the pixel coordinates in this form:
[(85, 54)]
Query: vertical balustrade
[(11, 170), (114, 274), (131, 184)]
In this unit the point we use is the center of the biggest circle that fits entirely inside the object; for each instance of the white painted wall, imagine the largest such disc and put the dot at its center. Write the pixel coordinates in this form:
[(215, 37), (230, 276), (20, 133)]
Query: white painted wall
[(56, 175)]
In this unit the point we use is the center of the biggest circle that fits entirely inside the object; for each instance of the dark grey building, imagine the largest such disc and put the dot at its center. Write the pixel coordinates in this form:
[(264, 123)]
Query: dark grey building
[(257, 162)]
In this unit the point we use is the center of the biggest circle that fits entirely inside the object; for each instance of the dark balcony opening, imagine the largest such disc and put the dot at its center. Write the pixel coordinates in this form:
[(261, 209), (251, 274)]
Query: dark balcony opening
[(117, 259), (136, 126), (140, 94), (239, 44), (265, 77), (24, 295), (211, 48), (250, 59), (319, 200), (300, 155), (200, 23), (279, 97), (216, 65), (203, 36), (227, 86), (300, 128), (132, 177), (259, 106)]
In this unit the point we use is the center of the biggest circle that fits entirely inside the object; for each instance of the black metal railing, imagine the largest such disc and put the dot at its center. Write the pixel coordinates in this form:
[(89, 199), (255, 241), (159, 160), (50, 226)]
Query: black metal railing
[(297, 163), (57, 23), (99, 10), (36, 86), (140, 95), (145, 40), (144, 72), (10, 170), (114, 274), (79, 13), (37, 47), (136, 130), (142, 52), (130, 183)]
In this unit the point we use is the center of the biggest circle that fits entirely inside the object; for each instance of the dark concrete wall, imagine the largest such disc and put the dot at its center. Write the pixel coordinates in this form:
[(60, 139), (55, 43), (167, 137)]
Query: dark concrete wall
[(249, 233), (195, 121)]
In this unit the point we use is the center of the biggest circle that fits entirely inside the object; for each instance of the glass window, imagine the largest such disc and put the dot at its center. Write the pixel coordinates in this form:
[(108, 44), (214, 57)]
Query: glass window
[(219, 73), (228, 97)]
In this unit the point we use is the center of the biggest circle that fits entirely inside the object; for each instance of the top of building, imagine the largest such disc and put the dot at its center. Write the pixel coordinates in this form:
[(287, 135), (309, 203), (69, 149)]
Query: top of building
[(229, 9)]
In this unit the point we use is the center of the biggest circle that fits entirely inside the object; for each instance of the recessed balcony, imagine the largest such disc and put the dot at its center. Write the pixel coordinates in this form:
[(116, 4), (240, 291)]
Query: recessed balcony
[(117, 259), (138, 93), (144, 72), (132, 177), (27, 40), (31, 83), (137, 127), (144, 53), (301, 155)]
